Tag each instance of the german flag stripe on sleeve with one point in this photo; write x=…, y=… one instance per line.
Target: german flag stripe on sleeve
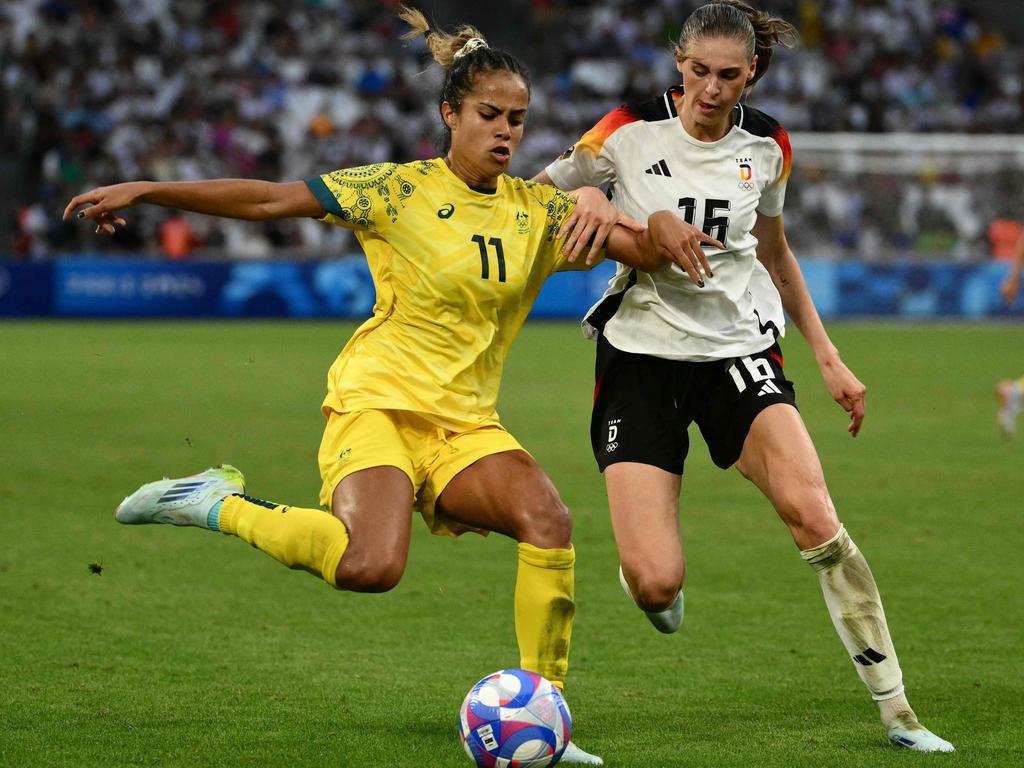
x=594, y=139
x=782, y=139
x=756, y=122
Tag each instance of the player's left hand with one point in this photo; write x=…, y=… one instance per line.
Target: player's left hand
x=590, y=222
x=847, y=390
x=681, y=243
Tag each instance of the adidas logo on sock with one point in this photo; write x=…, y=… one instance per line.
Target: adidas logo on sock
x=769, y=388
x=868, y=657
x=660, y=168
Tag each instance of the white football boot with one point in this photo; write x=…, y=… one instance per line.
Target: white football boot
x=573, y=755
x=181, y=501
x=906, y=732
x=666, y=621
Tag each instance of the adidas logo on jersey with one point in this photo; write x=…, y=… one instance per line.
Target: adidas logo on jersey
x=660, y=168
x=769, y=388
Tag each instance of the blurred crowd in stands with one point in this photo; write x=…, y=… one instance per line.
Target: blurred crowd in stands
x=100, y=91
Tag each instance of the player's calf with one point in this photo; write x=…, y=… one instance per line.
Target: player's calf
x=856, y=610
x=307, y=539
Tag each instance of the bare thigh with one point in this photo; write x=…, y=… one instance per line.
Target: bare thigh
x=509, y=493
x=644, y=504
x=780, y=459
x=376, y=506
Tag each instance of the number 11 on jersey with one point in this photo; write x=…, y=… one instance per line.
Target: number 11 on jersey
x=485, y=265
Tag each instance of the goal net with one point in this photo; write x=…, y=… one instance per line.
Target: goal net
x=896, y=197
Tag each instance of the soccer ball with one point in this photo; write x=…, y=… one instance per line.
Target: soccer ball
x=514, y=718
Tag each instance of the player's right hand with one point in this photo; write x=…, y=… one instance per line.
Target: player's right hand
x=103, y=202
x=680, y=243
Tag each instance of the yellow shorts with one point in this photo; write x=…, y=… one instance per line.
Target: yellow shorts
x=429, y=455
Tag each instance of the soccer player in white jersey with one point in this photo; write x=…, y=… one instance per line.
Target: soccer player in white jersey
x=1010, y=392
x=673, y=349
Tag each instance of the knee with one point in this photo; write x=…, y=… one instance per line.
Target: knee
x=656, y=589
x=544, y=521
x=810, y=516
x=360, y=573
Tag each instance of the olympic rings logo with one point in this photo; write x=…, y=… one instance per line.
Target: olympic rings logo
x=745, y=186
x=611, y=446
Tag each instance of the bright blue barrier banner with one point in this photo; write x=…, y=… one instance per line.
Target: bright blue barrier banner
x=106, y=287
x=114, y=288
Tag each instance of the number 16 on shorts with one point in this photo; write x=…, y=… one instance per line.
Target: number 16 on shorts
x=759, y=370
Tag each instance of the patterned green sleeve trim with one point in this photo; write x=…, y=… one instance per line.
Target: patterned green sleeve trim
x=367, y=197
x=559, y=206
x=323, y=195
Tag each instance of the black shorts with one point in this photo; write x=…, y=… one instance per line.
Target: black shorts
x=643, y=405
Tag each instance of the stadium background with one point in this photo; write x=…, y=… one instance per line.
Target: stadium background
x=157, y=646
x=906, y=118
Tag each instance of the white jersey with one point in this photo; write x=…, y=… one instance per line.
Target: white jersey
x=652, y=164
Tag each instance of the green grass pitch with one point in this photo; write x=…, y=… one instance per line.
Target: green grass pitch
x=191, y=649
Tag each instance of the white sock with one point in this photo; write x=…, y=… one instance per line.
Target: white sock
x=896, y=708
x=856, y=610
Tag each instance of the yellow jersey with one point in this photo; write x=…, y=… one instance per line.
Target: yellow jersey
x=456, y=271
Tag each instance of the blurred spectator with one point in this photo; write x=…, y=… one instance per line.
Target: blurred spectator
x=96, y=91
x=1003, y=237
x=31, y=222
x=176, y=237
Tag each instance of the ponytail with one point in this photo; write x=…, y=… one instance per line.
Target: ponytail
x=463, y=54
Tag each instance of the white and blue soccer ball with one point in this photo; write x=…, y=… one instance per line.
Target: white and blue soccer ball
x=514, y=718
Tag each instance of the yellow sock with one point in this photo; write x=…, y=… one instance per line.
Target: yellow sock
x=309, y=539
x=544, y=610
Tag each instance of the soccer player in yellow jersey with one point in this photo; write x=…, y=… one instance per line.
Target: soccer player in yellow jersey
x=458, y=252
